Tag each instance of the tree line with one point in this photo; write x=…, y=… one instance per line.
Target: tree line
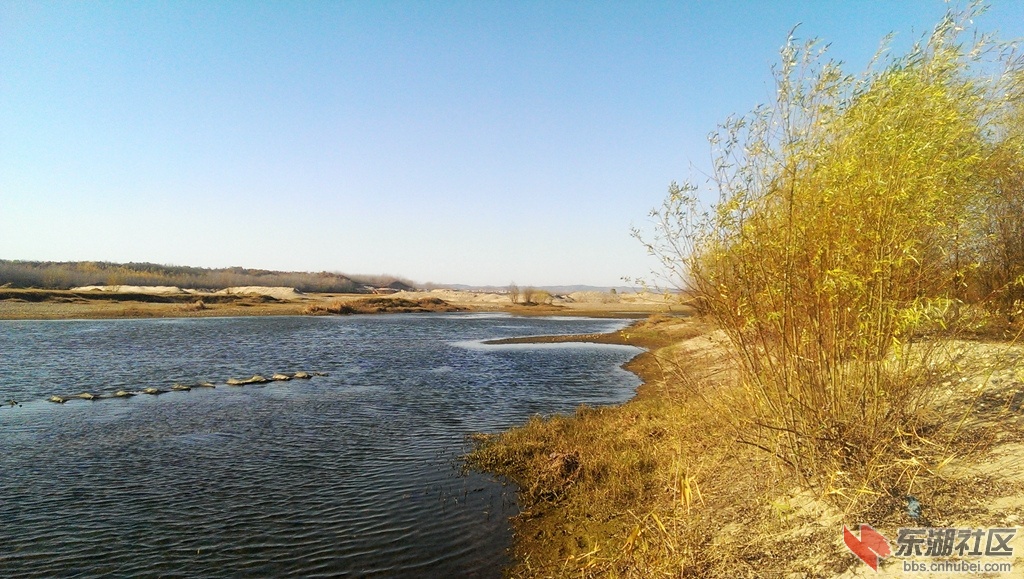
x=66, y=275
x=528, y=295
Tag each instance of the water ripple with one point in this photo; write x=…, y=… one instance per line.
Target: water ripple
x=354, y=474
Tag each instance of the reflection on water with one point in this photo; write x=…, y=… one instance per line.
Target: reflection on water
x=355, y=473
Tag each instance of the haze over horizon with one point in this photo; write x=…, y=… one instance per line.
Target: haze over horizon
x=464, y=143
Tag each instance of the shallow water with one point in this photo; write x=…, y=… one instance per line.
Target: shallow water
x=352, y=474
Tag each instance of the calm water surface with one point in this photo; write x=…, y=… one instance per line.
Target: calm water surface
x=353, y=474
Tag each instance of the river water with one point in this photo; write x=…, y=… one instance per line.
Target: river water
x=352, y=474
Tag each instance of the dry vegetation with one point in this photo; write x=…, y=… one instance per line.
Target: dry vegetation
x=196, y=306
x=380, y=306
x=528, y=295
x=664, y=486
x=865, y=226
x=64, y=304
x=66, y=275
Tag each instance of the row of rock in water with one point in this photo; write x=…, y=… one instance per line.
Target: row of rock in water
x=256, y=379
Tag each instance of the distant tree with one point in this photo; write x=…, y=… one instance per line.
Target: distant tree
x=529, y=293
x=64, y=275
x=513, y=292
x=542, y=297
x=609, y=298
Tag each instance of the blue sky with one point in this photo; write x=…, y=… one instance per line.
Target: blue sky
x=454, y=142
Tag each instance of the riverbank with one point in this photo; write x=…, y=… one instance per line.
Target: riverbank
x=35, y=304
x=664, y=485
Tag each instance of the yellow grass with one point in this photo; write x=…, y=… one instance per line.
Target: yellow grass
x=664, y=486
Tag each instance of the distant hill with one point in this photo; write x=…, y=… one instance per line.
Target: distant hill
x=68, y=274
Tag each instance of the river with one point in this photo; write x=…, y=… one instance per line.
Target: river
x=356, y=473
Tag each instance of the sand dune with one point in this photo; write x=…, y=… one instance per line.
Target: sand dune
x=132, y=289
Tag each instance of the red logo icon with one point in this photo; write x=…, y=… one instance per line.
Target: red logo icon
x=871, y=546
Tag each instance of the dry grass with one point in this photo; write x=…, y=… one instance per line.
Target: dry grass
x=640, y=490
x=196, y=306
x=55, y=304
x=665, y=486
x=379, y=306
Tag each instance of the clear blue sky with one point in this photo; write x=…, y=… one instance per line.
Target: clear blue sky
x=456, y=142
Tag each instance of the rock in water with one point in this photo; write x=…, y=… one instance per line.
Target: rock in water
x=57, y=399
x=123, y=394
x=302, y=375
x=280, y=377
x=181, y=388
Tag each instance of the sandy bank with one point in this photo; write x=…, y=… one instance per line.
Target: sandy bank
x=659, y=487
x=280, y=293
x=132, y=289
x=91, y=302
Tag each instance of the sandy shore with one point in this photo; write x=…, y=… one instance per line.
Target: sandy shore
x=601, y=491
x=17, y=304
